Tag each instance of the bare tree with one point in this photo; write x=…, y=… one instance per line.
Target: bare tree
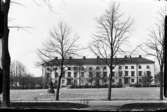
x=4, y=35
x=155, y=45
x=62, y=45
x=17, y=73
x=113, y=31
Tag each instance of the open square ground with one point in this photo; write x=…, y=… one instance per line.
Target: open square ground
x=86, y=94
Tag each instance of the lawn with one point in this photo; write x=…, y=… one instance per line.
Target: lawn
x=89, y=94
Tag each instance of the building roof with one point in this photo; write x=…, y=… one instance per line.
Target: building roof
x=101, y=61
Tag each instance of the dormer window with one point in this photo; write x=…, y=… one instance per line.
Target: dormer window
x=75, y=74
x=75, y=68
x=97, y=68
x=120, y=67
x=148, y=67
x=69, y=74
x=90, y=68
x=105, y=68
x=56, y=74
x=82, y=68
x=139, y=66
x=132, y=67
x=126, y=67
x=69, y=68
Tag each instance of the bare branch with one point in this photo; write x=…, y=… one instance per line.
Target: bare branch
x=112, y=32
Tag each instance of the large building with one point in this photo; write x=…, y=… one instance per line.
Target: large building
x=94, y=71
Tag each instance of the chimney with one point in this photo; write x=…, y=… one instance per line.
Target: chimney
x=125, y=56
x=98, y=59
x=140, y=56
x=56, y=58
x=84, y=57
x=130, y=57
x=70, y=57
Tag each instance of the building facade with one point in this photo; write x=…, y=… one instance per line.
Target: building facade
x=95, y=72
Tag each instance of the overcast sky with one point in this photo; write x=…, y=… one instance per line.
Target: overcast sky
x=80, y=15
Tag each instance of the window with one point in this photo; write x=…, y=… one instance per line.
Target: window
x=69, y=81
x=48, y=69
x=148, y=67
x=97, y=68
x=75, y=82
x=90, y=74
x=113, y=73
x=132, y=67
x=148, y=73
x=90, y=68
x=132, y=80
x=105, y=74
x=120, y=80
x=120, y=73
x=140, y=80
x=75, y=74
x=82, y=74
x=132, y=73
x=63, y=75
x=105, y=68
x=97, y=74
x=113, y=67
x=140, y=73
x=56, y=82
x=120, y=67
x=56, y=74
x=69, y=68
x=139, y=66
x=47, y=75
x=75, y=68
x=82, y=68
x=63, y=81
x=55, y=68
x=69, y=74
x=113, y=80
x=126, y=73
x=126, y=67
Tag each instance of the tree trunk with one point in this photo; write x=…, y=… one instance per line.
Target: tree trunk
x=59, y=80
x=6, y=69
x=58, y=88
x=110, y=79
x=161, y=82
x=6, y=57
x=165, y=57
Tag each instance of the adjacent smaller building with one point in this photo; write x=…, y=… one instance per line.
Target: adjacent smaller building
x=127, y=71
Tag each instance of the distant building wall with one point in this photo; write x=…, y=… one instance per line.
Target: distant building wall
x=126, y=73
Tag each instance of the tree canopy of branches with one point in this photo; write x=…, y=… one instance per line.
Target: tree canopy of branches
x=4, y=35
x=113, y=30
x=17, y=73
x=17, y=69
x=147, y=79
x=155, y=46
x=62, y=44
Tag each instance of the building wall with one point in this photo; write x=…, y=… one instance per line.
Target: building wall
x=79, y=79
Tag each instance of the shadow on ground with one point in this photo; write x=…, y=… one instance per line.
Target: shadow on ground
x=46, y=105
x=143, y=107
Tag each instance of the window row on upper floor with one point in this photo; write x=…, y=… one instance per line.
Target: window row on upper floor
x=133, y=67
x=82, y=68
x=104, y=74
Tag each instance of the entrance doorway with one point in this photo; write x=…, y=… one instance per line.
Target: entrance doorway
x=127, y=81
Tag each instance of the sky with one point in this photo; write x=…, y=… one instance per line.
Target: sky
x=37, y=19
